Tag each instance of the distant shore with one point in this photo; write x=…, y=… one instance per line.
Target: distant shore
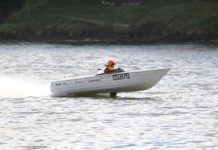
x=115, y=40
x=171, y=21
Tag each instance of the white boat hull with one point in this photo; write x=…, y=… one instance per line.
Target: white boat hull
x=109, y=83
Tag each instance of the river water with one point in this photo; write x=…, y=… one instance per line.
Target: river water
x=180, y=112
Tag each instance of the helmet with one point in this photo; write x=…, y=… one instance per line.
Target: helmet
x=110, y=63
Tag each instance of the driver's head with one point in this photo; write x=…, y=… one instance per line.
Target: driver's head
x=110, y=63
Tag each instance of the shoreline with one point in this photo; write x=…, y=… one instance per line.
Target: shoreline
x=115, y=41
x=94, y=23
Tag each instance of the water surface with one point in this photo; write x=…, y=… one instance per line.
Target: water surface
x=180, y=112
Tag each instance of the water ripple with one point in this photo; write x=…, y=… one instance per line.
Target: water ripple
x=179, y=113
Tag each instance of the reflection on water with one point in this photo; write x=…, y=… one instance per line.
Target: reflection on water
x=180, y=112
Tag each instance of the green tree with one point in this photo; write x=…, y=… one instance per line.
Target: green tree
x=8, y=6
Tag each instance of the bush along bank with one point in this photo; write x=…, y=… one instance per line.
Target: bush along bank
x=147, y=22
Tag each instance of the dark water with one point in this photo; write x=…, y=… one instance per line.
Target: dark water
x=180, y=112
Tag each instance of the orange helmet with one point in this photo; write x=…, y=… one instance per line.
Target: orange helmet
x=110, y=63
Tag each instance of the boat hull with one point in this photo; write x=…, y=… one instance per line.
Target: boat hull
x=109, y=83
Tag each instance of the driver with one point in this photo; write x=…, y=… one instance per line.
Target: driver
x=109, y=67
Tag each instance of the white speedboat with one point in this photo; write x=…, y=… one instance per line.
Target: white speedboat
x=108, y=83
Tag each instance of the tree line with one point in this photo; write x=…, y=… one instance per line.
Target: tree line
x=8, y=6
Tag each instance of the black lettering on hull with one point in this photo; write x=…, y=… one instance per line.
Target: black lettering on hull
x=122, y=76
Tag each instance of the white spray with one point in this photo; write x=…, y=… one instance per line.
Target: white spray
x=11, y=87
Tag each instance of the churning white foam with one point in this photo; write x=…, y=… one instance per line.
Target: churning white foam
x=19, y=87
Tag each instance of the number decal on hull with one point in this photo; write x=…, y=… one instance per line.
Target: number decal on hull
x=121, y=76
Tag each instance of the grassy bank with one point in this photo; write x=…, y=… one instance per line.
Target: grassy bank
x=152, y=21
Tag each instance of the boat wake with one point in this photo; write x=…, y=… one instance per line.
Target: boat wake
x=18, y=87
